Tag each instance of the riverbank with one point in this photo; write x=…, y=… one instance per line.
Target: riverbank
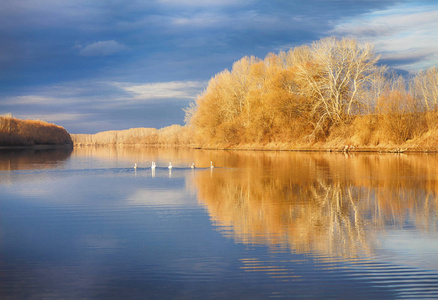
x=276, y=147
x=350, y=139
x=345, y=149
x=426, y=143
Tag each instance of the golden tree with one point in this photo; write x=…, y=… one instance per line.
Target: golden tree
x=337, y=76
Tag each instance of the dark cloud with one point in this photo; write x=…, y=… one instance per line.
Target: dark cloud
x=404, y=59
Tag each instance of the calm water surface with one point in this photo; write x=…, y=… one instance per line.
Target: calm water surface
x=86, y=225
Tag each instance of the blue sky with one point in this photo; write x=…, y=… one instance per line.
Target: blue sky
x=101, y=65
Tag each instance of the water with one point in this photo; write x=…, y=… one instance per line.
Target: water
x=86, y=225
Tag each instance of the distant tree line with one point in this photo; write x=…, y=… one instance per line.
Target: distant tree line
x=175, y=135
x=331, y=89
x=16, y=132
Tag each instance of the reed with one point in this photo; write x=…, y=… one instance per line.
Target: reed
x=16, y=132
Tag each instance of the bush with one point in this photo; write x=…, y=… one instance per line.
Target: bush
x=16, y=132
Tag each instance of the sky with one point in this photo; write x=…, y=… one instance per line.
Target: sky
x=92, y=66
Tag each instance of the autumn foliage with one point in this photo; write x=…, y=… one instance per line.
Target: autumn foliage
x=16, y=132
x=331, y=91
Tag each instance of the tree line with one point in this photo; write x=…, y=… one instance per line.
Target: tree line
x=333, y=89
x=174, y=135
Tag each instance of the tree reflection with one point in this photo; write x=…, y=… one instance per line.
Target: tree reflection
x=328, y=204
x=28, y=158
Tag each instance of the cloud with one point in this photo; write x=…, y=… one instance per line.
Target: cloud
x=201, y=20
x=403, y=59
x=54, y=117
x=64, y=94
x=102, y=48
x=164, y=90
x=392, y=21
x=100, y=94
x=92, y=106
x=29, y=100
x=204, y=3
x=405, y=35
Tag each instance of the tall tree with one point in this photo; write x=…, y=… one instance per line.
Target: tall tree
x=337, y=76
x=425, y=88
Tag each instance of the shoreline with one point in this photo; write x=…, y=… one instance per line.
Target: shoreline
x=283, y=148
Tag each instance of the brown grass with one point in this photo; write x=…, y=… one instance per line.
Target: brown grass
x=16, y=132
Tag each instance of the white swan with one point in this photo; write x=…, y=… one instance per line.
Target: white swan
x=211, y=165
x=170, y=165
x=153, y=165
x=193, y=165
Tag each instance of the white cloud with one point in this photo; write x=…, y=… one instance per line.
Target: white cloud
x=30, y=99
x=390, y=22
x=91, y=106
x=92, y=95
x=102, y=48
x=205, y=19
x=242, y=21
x=53, y=118
x=163, y=90
x=204, y=3
x=64, y=94
x=405, y=34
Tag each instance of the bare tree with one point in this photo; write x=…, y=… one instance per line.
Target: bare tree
x=425, y=88
x=338, y=76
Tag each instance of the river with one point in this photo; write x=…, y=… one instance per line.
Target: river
x=84, y=224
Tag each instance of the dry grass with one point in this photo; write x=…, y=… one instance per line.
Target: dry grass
x=16, y=132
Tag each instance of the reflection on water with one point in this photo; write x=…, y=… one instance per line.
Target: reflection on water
x=18, y=159
x=87, y=225
x=366, y=216
x=331, y=204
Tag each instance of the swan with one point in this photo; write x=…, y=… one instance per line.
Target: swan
x=170, y=165
x=153, y=165
x=135, y=166
x=193, y=165
x=211, y=165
